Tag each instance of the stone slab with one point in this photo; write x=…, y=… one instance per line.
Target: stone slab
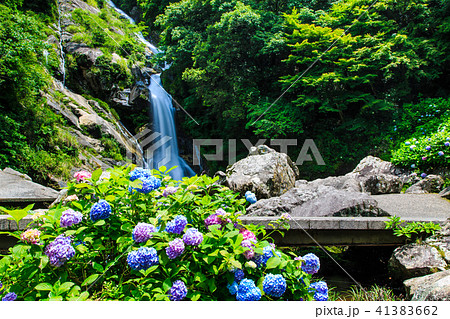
x=15, y=189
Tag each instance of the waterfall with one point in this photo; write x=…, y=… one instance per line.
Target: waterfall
x=164, y=149
x=61, y=50
x=165, y=152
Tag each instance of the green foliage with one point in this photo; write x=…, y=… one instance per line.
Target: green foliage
x=419, y=230
x=99, y=269
x=426, y=124
x=374, y=293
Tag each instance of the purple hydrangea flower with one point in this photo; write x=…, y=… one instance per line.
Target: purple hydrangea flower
x=70, y=217
x=178, y=291
x=238, y=275
x=143, y=232
x=447, y=143
x=412, y=147
x=250, y=197
x=175, y=249
x=1, y=286
x=143, y=258
x=60, y=250
x=428, y=148
x=176, y=226
x=247, y=291
x=320, y=290
x=423, y=175
x=233, y=288
x=218, y=218
x=170, y=191
x=193, y=237
x=441, y=153
x=311, y=264
x=10, y=296
x=250, y=253
x=407, y=143
x=100, y=210
x=274, y=285
x=424, y=158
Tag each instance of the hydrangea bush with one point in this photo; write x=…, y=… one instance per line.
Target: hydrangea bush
x=135, y=234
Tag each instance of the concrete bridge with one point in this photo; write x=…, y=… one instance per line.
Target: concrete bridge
x=356, y=231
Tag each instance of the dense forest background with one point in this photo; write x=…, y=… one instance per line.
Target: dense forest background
x=384, y=81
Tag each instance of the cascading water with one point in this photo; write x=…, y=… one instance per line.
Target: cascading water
x=164, y=124
x=62, y=66
x=164, y=151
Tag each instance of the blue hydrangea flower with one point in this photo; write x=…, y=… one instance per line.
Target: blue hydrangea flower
x=1, y=286
x=250, y=197
x=247, y=291
x=447, y=143
x=407, y=143
x=320, y=290
x=100, y=210
x=59, y=251
x=193, y=237
x=233, y=288
x=262, y=259
x=175, y=249
x=140, y=173
x=10, y=296
x=423, y=175
x=274, y=285
x=148, y=184
x=238, y=275
x=178, y=291
x=412, y=147
x=70, y=217
x=413, y=165
x=143, y=258
x=311, y=264
x=176, y=226
x=428, y=148
x=143, y=232
x=441, y=153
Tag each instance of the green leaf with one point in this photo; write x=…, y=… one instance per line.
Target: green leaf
x=97, y=267
x=196, y=296
x=17, y=214
x=44, y=287
x=65, y=287
x=206, y=200
x=43, y=262
x=273, y=262
x=96, y=175
x=110, y=198
x=100, y=222
x=90, y=279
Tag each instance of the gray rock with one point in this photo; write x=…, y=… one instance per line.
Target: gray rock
x=16, y=189
x=13, y=172
x=321, y=201
x=85, y=55
x=266, y=173
x=139, y=94
x=445, y=193
x=415, y=286
x=430, y=184
x=415, y=260
x=339, y=203
x=434, y=287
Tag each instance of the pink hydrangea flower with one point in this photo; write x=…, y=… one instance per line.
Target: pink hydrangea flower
x=31, y=236
x=72, y=198
x=248, y=235
x=82, y=175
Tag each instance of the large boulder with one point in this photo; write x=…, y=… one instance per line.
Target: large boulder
x=434, y=287
x=265, y=172
x=415, y=260
x=430, y=184
x=309, y=200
